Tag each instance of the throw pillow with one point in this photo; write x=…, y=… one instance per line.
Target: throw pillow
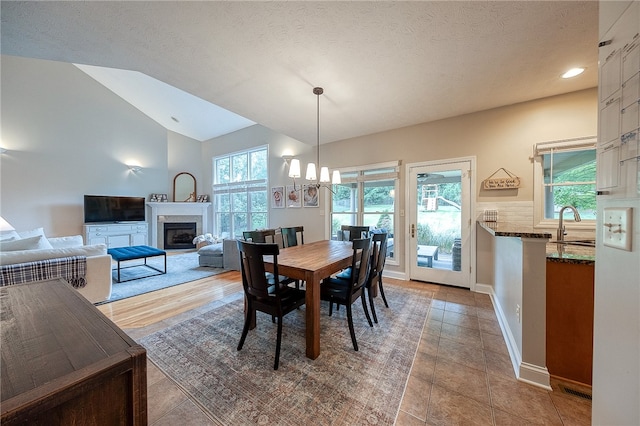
x=66, y=242
x=31, y=243
x=31, y=233
x=9, y=235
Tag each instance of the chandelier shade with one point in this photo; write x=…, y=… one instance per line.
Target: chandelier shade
x=294, y=168
x=311, y=171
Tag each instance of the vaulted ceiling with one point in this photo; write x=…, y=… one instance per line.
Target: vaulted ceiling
x=383, y=65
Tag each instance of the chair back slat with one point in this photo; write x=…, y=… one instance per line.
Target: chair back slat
x=361, y=262
x=254, y=278
x=290, y=236
x=260, y=236
x=355, y=232
x=378, y=255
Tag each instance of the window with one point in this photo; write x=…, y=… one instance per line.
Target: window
x=565, y=174
x=366, y=197
x=240, y=192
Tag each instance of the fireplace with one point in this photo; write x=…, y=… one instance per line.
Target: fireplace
x=179, y=235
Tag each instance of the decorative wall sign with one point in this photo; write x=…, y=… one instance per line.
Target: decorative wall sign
x=510, y=182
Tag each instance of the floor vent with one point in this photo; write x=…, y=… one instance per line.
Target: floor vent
x=574, y=392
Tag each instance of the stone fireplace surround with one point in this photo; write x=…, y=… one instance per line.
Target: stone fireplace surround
x=159, y=213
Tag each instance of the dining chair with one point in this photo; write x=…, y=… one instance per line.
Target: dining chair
x=378, y=258
x=290, y=236
x=264, y=294
x=290, y=239
x=260, y=236
x=353, y=232
x=267, y=236
x=347, y=291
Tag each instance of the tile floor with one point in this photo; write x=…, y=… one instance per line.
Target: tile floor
x=462, y=375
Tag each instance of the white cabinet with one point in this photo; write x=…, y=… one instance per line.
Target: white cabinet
x=117, y=234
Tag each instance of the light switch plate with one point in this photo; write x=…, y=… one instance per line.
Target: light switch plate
x=617, y=228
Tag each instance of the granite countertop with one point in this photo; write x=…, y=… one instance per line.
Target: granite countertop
x=555, y=252
x=566, y=253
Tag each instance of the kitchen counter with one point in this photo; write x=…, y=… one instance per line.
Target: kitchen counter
x=501, y=229
x=562, y=253
x=566, y=253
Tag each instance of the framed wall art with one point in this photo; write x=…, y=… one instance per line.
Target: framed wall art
x=277, y=197
x=293, y=196
x=310, y=195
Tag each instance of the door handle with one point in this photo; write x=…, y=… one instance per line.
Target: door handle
x=413, y=230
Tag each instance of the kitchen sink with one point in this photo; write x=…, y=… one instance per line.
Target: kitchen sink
x=584, y=243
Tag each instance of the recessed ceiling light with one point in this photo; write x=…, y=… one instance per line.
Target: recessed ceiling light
x=573, y=72
x=175, y=119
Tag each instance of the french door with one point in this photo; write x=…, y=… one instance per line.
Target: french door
x=440, y=222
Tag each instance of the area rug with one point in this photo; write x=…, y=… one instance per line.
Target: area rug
x=340, y=387
x=181, y=268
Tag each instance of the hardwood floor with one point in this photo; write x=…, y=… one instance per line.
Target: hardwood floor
x=150, y=308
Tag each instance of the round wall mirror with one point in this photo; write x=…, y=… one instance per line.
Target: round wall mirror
x=184, y=188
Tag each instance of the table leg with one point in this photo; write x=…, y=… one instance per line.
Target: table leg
x=312, y=302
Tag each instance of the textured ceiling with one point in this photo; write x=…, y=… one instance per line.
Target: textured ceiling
x=383, y=65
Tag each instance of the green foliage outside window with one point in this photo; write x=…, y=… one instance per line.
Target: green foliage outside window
x=583, y=196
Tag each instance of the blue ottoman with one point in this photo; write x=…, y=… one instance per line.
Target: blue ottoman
x=122, y=254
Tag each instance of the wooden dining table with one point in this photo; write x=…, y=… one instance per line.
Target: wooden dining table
x=312, y=262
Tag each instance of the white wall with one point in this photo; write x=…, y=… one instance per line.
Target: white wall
x=67, y=136
x=616, y=334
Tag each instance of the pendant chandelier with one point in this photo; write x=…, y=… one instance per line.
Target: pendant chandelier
x=311, y=175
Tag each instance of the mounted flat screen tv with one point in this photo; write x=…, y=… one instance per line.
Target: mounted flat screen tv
x=104, y=208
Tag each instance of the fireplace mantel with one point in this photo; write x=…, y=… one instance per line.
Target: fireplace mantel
x=175, y=209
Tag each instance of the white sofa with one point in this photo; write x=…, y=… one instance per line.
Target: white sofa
x=32, y=246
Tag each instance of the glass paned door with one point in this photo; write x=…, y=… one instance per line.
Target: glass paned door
x=439, y=225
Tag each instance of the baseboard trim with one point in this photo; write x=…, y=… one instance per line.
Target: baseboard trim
x=535, y=375
x=396, y=275
x=524, y=372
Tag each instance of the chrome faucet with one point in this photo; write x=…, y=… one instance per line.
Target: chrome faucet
x=561, y=231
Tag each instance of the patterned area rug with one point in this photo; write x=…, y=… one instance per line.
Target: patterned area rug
x=340, y=387
x=181, y=268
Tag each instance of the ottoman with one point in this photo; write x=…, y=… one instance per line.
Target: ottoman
x=211, y=255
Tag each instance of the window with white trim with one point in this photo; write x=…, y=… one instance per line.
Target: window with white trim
x=565, y=174
x=240, y=200
x=366, y=197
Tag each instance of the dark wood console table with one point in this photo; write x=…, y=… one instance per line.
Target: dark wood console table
x=64, y=362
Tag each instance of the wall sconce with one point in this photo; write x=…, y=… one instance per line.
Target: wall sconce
x=134, y=168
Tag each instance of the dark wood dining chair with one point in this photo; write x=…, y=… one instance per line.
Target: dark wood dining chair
x=264, y=294
x=353, y=232
x=290, y=236
x=347, y=291
x=290, y=239
x=260, y=236
x=378, y=258
x=267, y=236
